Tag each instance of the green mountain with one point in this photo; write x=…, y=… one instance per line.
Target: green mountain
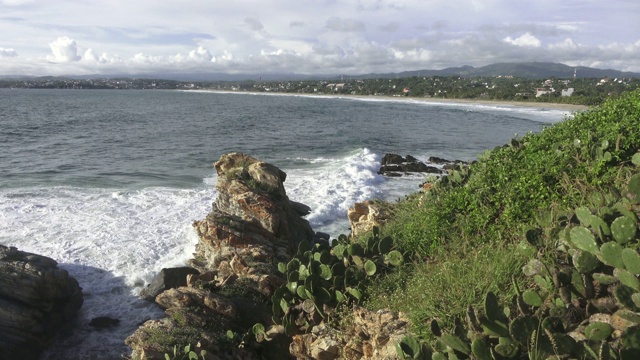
x=531, y=70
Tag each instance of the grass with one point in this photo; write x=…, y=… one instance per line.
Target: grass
x=464, y=236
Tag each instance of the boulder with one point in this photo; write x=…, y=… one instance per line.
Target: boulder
x=168, y=278
x=367, y=335
x=36, y=300
x=253, y=225
x=396, y=165
x=367, y=214
x=252, y=219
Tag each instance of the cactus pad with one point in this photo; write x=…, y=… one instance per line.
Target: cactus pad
x=623, y=229
x=584, y=215
x=583, y=239
x=598, y=331
x=585, y=262
x=627, y=278
x=611, y=254
x=532, y=298
x=631, y=260
x=634, y=187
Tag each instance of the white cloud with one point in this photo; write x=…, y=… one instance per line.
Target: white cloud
x=7, y=53
x=566, y=44
x=63, y=50
x=200, y=55
x=526, y=40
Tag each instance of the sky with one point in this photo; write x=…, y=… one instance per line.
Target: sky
x=310, y=37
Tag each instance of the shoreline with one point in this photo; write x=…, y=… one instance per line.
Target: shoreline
x=435, y=101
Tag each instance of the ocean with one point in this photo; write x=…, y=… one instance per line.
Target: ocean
x=108, y=182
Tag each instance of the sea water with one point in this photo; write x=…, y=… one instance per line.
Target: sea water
x=108, y=182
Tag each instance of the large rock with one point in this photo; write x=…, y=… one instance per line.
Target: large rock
x=252, y=219
x=253, y=225
x=367, y=214
x=36, y=300
x=368, y=335
x=396, y=165
x=168, y=278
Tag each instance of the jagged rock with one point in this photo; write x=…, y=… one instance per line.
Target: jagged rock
x=396, y=165
x=252, y=219
x=370, y=335
x=367, y=214
x=36, y=300
x=253, y=225
x=168, y=278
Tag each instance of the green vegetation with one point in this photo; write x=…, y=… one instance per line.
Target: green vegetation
x=320, y=279
x=565, y=203
x=537, y=239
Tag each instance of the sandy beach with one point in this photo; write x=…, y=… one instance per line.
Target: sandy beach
x=540, y=105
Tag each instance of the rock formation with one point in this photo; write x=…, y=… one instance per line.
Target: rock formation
x=36, y=300
x=367, y=214
x=252, y=227
x=371, y=335
x=396, y=165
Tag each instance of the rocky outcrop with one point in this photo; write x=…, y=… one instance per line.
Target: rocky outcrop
x=396, y=165
x=168, y=278
x=36, y=299
x=370, y=335
x=367, y=214
x=253, y=225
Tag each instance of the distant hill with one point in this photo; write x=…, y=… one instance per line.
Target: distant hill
x=531, y=70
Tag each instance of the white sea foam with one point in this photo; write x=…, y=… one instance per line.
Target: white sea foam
x=334, y=187
x=112, y=242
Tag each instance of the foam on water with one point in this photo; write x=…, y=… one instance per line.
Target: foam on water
x=112, y=242
x=334, y=187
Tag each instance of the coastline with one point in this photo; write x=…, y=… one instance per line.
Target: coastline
x=435, y=101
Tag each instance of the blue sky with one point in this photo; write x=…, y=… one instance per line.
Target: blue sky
x=81, y=37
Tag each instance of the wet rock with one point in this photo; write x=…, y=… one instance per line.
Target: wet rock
x=396, y=165
x=37, y=299
x=168, y=278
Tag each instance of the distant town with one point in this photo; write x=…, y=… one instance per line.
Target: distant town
x=583, y=91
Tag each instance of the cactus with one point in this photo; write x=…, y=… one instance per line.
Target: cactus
x=623, y=294
x=623, y=229
x=521, y=328
x=630, y=340
x=600, y=226
x=583, y=239
x=493, y=328
x=598, y=331
x=506, y=347
x=604, y=279
x=627, y=278
x=480, y=349
x=491, y=307
x=631, y=260
x=635, y=159
x=584, y=215
x=532, y=298
x=410, y=348
x=611, y=254
x=633, y=187
x=394, y=258
x=585, y=262
x=455, y=343
x=370, y=268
